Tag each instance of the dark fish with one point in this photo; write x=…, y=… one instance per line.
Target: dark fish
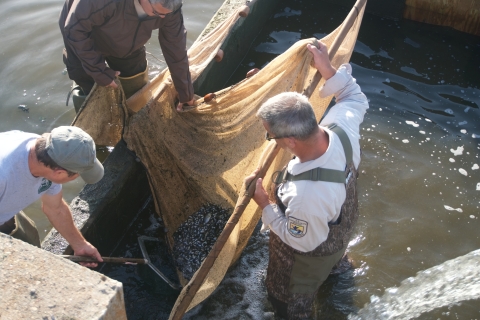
x=23, y=107
x=194, y=238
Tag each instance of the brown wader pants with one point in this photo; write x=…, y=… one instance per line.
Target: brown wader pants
x=23, y=228
x=132, y=65
x=294, y=277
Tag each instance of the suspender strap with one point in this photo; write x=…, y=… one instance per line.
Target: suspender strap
x=317, y=174
x=322, y=174
x=347, y=146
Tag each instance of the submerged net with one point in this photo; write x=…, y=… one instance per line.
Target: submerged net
x=203, y=155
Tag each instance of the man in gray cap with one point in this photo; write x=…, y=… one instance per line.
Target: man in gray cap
x=34, y=167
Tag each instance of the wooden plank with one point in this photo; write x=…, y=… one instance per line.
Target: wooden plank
x=462, y=15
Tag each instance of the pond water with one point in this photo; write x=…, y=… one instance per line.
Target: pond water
x=419, y=176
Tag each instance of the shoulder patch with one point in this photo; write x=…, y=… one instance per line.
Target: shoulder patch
x=44, y=186
x=297, y=227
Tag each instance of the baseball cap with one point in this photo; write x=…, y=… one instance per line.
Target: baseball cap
x=73, y=149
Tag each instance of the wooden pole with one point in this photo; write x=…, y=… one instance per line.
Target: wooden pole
x=105, y=259
x=352, y=15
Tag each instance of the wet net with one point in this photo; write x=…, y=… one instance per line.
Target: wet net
x=202, y=156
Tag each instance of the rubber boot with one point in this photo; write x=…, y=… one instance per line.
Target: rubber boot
x=25, y=229
x=134, y=83
x=78, y=97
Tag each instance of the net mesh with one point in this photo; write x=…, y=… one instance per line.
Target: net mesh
x=203, y=155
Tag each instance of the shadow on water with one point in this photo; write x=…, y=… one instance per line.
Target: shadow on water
x=418, y=188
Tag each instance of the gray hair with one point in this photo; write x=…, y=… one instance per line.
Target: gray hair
x=171, y=5
x=289, y=114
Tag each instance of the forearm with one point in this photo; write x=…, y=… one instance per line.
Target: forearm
x=61, y=219
x=173, y=41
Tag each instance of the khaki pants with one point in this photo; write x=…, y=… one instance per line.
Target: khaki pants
x=23, y=228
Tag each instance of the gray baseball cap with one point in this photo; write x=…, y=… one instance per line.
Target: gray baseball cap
x=73, y=149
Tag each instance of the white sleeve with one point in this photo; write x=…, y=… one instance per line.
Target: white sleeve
x=300, y=230
x=350, y=108
x=54, y=189
x=350, y=102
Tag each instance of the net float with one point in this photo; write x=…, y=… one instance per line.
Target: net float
x=219, y=55
x=252, y=72
x=209, y=97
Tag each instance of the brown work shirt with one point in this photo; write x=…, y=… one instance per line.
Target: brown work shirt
x=95, y=29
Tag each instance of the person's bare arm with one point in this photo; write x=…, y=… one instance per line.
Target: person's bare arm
x=60, y=216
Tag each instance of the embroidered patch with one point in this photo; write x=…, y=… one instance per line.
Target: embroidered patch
x=297, y=227
x=45, y=185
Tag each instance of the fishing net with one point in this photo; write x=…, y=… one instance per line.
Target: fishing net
x=203, y=155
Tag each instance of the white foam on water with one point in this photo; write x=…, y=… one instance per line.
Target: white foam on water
x=478, y=186
x=412, y=123
x=458, y=151
x=463, y=171
x=475, y=167
x=451, y=160
x=463, y=131
x=475, y=136
x=422, y=132
x=446, y=284
x=449, y=111
x=462, y=123
x=453, y=209
x=405, y=141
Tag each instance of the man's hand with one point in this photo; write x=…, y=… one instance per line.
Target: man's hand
x=260, y=196
x=59, y=214
x=113, y=84
x=180, y=105
x=86, y=249
x=321, y=60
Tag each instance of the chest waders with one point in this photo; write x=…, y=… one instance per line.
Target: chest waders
x=23, y=228
x=294, y=277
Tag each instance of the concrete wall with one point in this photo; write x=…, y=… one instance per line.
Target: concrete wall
x=39, y=285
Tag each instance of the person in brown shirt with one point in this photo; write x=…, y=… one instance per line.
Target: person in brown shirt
x=97, y=32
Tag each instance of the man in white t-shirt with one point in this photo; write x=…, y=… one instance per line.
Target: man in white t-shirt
x=34, y=167
x=316, y=207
